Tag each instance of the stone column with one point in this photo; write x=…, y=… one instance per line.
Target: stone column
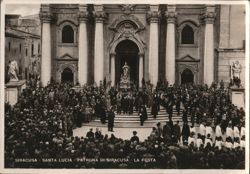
x=153, y=17
x=209, y=17
x=83, y=46
x=141, y=68
x=112, y=60
x=99, y=50
x=170, y=44
x=46, y=48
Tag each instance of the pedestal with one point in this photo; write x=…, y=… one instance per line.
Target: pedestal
x=13, y=90
x=238, y=97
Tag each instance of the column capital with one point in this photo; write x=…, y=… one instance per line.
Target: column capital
x=45, y=14
x=99, y=13
x=83, y=16
x=140, y=54
x=100, y=16
x=208, y=16
x=171, y=14
x=153, y=16
x=46, y=17
x=83, y=13
x=112, y=54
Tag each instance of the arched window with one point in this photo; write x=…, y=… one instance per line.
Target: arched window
x=67, y=34
x=187, y=35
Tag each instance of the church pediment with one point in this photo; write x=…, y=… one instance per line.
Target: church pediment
x=187, y=58
x=66, y=57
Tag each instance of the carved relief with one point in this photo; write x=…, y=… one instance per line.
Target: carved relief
x=127, y=27
x=67, y=17
x=127, y=8
x=193, y=67
x=138, y=25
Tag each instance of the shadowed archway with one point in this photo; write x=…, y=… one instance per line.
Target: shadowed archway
x=187, y=77
x=67, y=75
x=127, y=51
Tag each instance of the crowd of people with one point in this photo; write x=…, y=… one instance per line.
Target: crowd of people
x=41, y=125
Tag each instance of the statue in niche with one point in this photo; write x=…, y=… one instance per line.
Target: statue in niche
x=13, y=71
x=235, y=71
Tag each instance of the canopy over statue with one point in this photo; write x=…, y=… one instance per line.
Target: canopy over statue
x=13, y=71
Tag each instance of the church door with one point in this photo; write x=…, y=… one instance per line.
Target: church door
x=127, y=52
x=67, y=75
x=187, y=77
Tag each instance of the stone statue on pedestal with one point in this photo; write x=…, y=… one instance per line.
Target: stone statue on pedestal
x=235, y=71
x=126, y=72
x=125, y=77
x=13, y=71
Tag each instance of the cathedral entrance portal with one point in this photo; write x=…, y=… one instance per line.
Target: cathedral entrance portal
x=67, y=75
x=127, y=52
x=187, y=77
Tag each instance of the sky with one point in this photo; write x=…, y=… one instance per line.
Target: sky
x=22, y=9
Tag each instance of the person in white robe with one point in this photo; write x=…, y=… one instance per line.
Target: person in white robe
x=218, y=132
x=229, y=132
x=202, y=131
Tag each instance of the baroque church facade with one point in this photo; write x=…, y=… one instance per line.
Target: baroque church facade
x=86, y=43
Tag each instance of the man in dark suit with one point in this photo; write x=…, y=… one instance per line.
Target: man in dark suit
x=185, y=132
x=134, y=137
x=177, y=131
x=90, y=134
x=111, y=118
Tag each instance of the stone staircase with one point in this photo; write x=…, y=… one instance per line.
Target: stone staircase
x=133, y=120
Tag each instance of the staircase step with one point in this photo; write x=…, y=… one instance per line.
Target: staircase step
x=133, y=120
x=149, y=115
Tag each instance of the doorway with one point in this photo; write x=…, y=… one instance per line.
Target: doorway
x=67, y=75
x=127, y=51
x=187, y=77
